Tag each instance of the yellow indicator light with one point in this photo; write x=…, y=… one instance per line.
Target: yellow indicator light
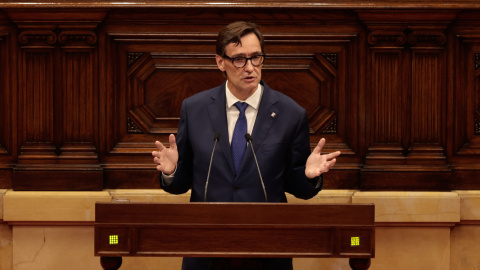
x=355, y=241
x=113, y=240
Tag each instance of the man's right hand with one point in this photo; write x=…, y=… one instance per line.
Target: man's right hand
x=166, y=158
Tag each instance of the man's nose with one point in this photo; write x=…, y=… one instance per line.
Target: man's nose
x=249, y=65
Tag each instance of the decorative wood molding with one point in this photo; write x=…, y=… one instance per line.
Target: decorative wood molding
x=132, y=128
x=477, y=60
x=317, y=4
x=77, y=37
x=332, y=128
x=133, y=57
x=387, y=36
x=477, y=125
x=426, y=37
x=332, y=58
x=37, y=38
x=49, y=38
x=413, y=36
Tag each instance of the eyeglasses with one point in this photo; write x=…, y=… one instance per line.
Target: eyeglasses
x=241, y=61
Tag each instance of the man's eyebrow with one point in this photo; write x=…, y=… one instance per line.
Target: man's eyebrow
x=244, y=55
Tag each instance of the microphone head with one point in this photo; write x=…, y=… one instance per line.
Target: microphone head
x=217, y=137
x=248, y=137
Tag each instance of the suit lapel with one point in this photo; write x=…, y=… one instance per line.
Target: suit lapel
x=218, y=118
x=263, y=123
x=265, y=117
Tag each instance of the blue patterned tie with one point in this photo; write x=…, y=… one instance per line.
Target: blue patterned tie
x=239, y=144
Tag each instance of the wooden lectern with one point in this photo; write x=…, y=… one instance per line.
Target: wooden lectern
x=251, y=230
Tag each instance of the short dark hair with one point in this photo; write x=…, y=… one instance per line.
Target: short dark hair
x=233, y=32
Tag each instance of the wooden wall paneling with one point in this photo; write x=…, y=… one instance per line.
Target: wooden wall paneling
x=317, y=80
x=107, y=97
x=5, y=113
x=79, y=96
x=427, y=148
x=386, y=94
x=8, y=107
x=118, y=169
x=156, y=71
x=87, y=91
x=406, y=122
x=466, y=105
x=293, y=4
x=58, y=101
x=36, y=95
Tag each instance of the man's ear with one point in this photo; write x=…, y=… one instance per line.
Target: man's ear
x=220, y=62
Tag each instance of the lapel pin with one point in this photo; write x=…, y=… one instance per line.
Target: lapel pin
x=273, y=114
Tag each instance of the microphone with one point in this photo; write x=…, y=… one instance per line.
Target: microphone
x=216, y=138
x=249, y=141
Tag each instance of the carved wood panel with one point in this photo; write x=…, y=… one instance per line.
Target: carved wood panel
x=406, y=104
x=87, y=91
x=465, y=138
x=58, y=106
x=156, y=76
x=7, y=108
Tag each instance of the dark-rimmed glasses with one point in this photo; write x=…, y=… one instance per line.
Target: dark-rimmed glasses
x=241, y=61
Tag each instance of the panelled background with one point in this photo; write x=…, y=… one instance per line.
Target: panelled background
x=87, y=87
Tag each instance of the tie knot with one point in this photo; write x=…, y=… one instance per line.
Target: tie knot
x=241, y=106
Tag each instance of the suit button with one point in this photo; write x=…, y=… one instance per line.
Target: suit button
x=235, y=188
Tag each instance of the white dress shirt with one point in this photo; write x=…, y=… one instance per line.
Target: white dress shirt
x=250, y=113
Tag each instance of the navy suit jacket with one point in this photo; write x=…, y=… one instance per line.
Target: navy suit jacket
x=280, y=139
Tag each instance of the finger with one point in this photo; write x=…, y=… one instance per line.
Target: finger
x=171, y=140
x=326, y=167
x=320, y=144
x=332, y=162
x=159, y=145
x=333, y=155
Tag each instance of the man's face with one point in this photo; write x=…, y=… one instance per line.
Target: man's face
x=242, y=81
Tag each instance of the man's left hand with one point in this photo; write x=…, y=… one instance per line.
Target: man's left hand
x=318, y=163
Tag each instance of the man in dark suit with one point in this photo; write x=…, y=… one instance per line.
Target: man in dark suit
x=243, y=104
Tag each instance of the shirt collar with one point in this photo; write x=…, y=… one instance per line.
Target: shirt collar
x=253, y=100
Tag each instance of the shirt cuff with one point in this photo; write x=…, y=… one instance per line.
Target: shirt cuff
x=167, y=179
